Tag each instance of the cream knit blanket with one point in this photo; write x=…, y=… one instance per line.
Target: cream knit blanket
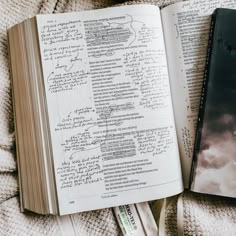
x=201, y=215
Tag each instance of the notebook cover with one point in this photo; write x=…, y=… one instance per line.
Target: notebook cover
x=214, y=164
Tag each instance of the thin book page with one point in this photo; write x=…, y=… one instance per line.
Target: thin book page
x=186, y=30
x=208, y=6
x=110, y=109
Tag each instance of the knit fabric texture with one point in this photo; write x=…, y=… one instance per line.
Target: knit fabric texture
x=202, y=215
x=208, y=215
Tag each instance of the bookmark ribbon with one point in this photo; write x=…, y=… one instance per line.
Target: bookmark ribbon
x=66, y=225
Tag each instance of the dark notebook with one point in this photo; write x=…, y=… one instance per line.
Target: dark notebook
x=214, y=165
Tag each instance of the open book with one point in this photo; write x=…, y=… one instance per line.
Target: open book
x=104, y=102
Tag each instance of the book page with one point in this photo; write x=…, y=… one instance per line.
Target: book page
x=208, y=6
x=186, y=28
x=110, y=111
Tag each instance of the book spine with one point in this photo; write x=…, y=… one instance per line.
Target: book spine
x=203, y=99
